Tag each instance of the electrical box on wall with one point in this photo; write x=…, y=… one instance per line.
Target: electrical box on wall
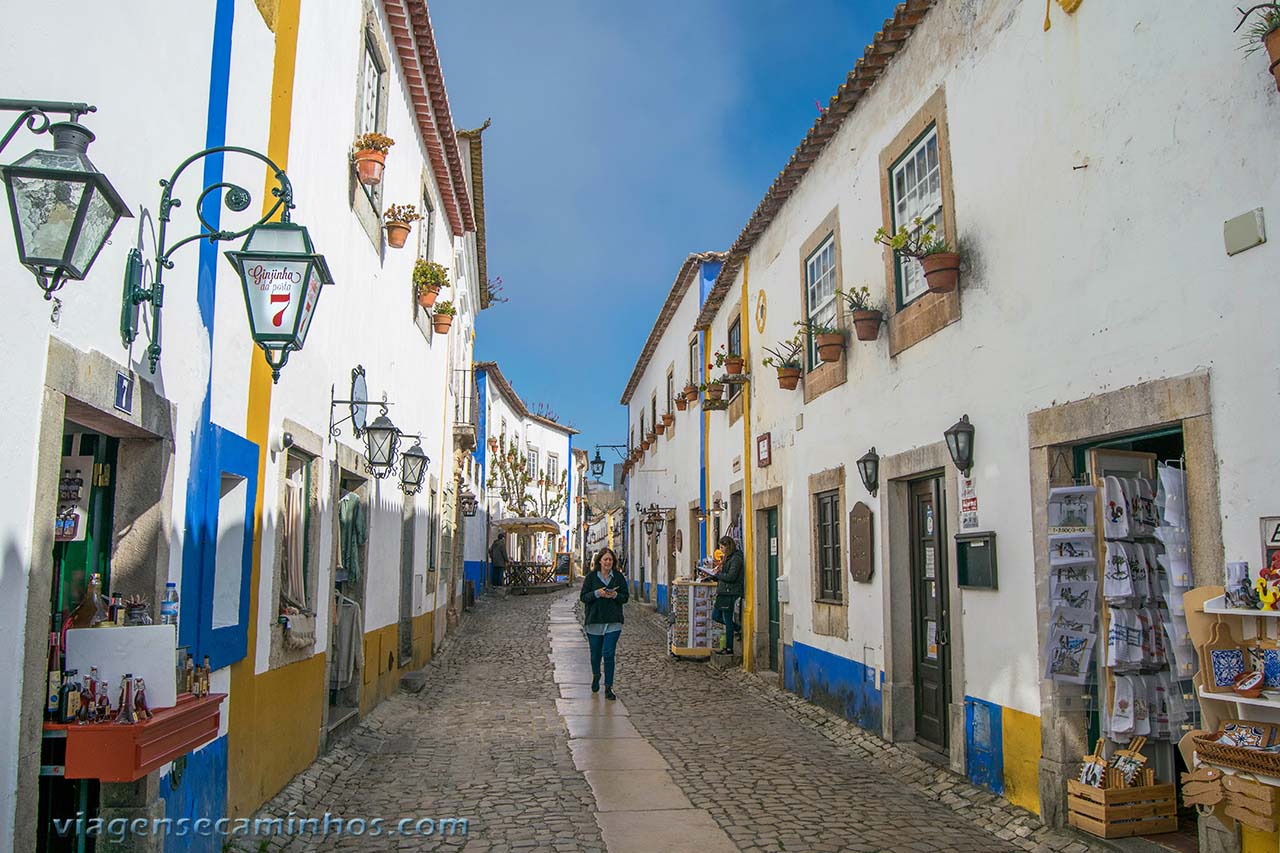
x=1244, y=232
x=976, y=560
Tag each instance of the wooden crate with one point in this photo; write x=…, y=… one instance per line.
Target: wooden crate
x=1122, y=812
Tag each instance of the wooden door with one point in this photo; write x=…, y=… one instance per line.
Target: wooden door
x=929, y=607
x=775, y=610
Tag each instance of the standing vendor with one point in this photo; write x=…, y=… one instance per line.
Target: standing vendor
x=729, y=588
x=498, y=558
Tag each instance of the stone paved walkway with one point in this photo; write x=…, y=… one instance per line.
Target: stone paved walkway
x=506, y=734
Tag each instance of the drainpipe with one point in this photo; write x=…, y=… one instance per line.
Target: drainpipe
x=748, y=462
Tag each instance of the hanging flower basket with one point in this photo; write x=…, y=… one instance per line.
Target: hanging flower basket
x=830, y=346
x=442, y=319
x=429, y=278
x=866, y=324
x=660, y=428
x=715, y=390
x=733, y=364
x=941, y=271
x=681, y=403
x=427, y=295
x=690, y=392
x=397, y=219
x=370, y=157
x=788, y=378
x=668, y=419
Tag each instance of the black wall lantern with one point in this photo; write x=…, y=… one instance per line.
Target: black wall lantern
x=869, y=470
x=63, y=208
x=960, y=444
x=279, y=269
x=382, y=440
x=649, y=525
x=413, y=466
x=597, y=465
x=467, y=502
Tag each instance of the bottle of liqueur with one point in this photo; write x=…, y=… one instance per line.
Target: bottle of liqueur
x=92, y=609
x=54, y=696
x=69, y=700
x=127, y=714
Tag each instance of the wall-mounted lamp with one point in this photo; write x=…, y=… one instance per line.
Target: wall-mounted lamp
x=413, y=466
x=960, y=444
x=869, y=470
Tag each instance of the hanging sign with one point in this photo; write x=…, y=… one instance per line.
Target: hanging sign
x=764, y=450
x=860, y=543
x=968, y=504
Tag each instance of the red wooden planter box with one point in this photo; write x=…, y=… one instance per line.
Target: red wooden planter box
x=110, y=752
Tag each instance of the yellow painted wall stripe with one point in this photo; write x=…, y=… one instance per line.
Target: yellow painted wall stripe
x=250, y=758
x=1020, y=747
x=748, y=462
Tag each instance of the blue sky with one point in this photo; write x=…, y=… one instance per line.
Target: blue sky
x=625, y=135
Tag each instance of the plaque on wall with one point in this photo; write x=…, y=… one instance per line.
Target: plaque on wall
x=861, y=550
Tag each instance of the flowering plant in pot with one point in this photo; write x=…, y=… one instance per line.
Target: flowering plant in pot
x=829, y=339
x=866, y=317
x=398, y=218
x=369, y=153
x=429, y=278
x=1263, y=32
x=787, y=358
x=713, y=388
x=442, y=317
x=940, y=260
x=732, y=364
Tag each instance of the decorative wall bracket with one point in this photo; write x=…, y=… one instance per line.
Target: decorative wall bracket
x=358, y=405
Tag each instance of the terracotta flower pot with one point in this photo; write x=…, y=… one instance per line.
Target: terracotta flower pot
x=830, y=345
x=652, y=438
x=866, y=324
x=733, y=364
x=788, y=378
x=681, y=403
x=397, y=233
x=369, y=166
x=690, y=393
x=715, y=391
x=660, y=428
x=1272, y=44
x=427, y=296
x=668, y=418
x=941, y=271
x=441, y=323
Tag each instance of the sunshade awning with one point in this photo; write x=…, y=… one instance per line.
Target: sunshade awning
x=527, y=525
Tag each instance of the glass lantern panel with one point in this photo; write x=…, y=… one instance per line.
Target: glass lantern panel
x=308, y=308
x=278, y=237
x=274, y=289
x=380, y=446
x=412, y=471
x=99, y=219
x=46, y=213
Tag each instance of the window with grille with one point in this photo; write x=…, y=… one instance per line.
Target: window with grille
x=827, y=510
x=916, y=186
x=820, y=293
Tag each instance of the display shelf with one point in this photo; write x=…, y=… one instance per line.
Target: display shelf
x=110, y=752
x=1218, y=606
x=1263, y=701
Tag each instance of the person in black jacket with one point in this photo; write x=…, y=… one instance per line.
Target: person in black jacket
x=604, y=591
x=729, y=588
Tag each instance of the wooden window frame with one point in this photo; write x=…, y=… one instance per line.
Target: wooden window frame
x=929, y=313
x=821, y=378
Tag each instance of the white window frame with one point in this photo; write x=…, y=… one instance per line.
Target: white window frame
x=533, y=462
x=820, y=292
x=915, y=187
x=553, y=466
x=372, y=72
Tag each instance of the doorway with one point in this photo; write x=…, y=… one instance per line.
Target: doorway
x=930, y=612
x=346, y=622
x=775, y=609
x=405, y=630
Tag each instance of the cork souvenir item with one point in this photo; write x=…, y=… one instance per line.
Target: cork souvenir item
x=1128, y=762
x=1203, y=787
x=1223, y=658
x=1093, y=771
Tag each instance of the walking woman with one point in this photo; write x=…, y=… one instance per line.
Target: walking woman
x=604, y=591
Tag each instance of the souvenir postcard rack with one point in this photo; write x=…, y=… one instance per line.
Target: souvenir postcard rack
x=692, y=633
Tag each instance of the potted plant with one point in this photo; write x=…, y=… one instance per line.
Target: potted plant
x=690, y=391
x=660, y=428
x=731, y=363
x=1263, y=32
x=787, y=358
x=866, y=317
x=681, y=402
x=668, y=419
x=493, y=443
x=398, y=218
x=442, y=317
x=369, y=152
x=829, y=339
x=714, y=388
x=429, y=278
x=940, y=260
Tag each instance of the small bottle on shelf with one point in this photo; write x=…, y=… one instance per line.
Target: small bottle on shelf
x=53, y=697
x=92, y=609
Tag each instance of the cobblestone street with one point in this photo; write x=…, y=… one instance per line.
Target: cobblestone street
x=506, y=734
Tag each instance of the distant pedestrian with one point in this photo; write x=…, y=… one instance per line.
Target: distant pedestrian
x=498, y=558
x=604, y=591
x=729, y=588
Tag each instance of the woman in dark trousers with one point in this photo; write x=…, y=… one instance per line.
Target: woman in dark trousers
x=729, y=588
x=604, y=591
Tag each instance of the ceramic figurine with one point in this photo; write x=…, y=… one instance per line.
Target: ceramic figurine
x=1268, y=592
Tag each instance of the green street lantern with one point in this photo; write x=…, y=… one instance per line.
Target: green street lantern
x=63, y=208
x=282, y=275
x=413, y=465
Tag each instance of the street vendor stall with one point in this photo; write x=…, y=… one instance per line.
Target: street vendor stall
x=530, y=573
x=692, y=634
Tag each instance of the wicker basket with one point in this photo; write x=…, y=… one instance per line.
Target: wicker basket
x=1252, y=760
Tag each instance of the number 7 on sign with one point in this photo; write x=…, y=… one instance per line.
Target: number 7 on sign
x=281, y=298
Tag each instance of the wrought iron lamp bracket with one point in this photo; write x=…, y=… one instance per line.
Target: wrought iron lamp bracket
x=356, y=432
x=236, y=199
x=35, y=114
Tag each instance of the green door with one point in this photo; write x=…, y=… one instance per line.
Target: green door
x=775, y=612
